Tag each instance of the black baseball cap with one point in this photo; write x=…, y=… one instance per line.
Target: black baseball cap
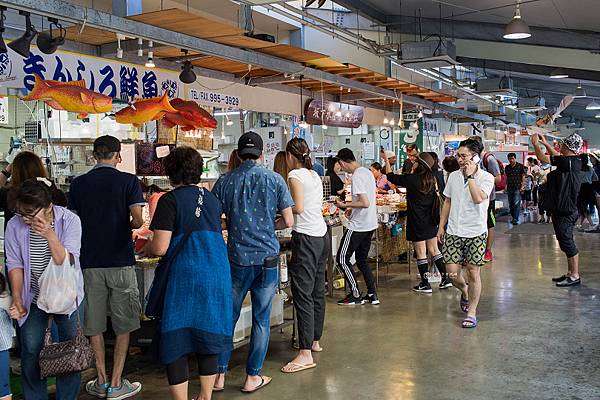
x=108, y=143
x=345, y=155
x=250, y=143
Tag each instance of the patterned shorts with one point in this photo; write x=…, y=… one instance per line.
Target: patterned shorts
x=458, y=249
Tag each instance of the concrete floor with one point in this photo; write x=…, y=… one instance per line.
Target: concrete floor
x=534, y=341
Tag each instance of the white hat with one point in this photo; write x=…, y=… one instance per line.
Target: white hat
x=389, y=154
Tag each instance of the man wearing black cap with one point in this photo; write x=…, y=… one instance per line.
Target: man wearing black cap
x=252, y=196
x=109, y=203
x=357, y=238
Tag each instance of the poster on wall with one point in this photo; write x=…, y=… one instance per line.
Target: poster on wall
x=297, y=131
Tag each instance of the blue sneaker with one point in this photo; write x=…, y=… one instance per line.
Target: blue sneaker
x=125, y=391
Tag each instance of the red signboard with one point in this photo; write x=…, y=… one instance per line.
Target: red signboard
x=334, y=114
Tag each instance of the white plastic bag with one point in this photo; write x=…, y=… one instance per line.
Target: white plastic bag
x=58, y=287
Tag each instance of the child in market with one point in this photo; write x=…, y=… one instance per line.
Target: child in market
x=6, y=339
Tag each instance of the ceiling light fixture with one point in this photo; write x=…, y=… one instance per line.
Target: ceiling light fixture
x=23, y=44
x=593, y=106
x=324, y=127
x=119, y=48
x=579, y=92
x=558, y=73
x=187, y=74
x=140, y=50
x=303, y=124
x=48, y=43
x=3, y=48
x=597, y=116
x=150, y=61
x=517, y=28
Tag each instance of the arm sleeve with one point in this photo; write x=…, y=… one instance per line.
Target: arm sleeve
x=135, y=195
x=72, y=236
x=165, y=214
x=359, y=184
x=398, y=180
x=487, y=184
x=448, y=188
x=284, y=198
x=11, y=247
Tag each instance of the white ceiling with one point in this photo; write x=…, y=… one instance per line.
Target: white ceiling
x=561, y=14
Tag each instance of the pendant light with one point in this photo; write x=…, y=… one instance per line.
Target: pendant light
x=385, y=118
x=338, y=113
x=517, y=27
x=597, y=116
x=150, y=61
x=23, y=44
x=593, y=106
x=187, y=74
x=302, y=123
x=140, y=50
x=579, y=92
x=558, y=73
x=48, y=43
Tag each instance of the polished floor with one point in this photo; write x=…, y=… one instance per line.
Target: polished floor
x=534, y=341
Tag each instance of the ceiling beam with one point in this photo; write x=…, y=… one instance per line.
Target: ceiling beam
x=549, y=37
x=78, y=14
x=543, y=70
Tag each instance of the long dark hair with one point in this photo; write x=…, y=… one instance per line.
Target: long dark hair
x=428, y=180
x=298, y=148
x=429, y=183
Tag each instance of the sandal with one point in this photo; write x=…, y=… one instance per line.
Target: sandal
x=464, y=304
x=469, y=322
x=264, y=381
x=218, y=389
x=295, y=367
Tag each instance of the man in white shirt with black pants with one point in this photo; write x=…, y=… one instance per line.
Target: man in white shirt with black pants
x=357, y=238
x=465, y=213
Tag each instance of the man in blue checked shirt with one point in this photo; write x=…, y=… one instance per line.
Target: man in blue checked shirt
x=252, y=196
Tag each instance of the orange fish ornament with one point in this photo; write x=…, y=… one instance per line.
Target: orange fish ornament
x=145, y=110
x=189, y=116
x=70, y=96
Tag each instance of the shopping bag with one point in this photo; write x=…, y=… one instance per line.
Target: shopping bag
x=58, y=287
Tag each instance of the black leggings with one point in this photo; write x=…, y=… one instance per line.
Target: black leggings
x=178, y=371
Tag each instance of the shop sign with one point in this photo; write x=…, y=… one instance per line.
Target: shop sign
x=297, y=131
x=113, y=78
x=431, y=127
x=4, y=110
x=324, y=113
x=410, y=116
x=410, y=136
x=214, y=98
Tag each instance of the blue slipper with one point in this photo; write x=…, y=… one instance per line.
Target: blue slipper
x=469, y=322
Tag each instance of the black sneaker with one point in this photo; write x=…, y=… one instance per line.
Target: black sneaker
x=372, y=299
x=515, y=222
x=559, y=279
x=569, y=282
x=445, y=283
x=350, y=300
x=423, y=288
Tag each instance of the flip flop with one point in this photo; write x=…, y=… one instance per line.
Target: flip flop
x=297, y=367
x=263, y=382
x=464, y=304
x=320, y=349
x=218, y=389
x=469, y=323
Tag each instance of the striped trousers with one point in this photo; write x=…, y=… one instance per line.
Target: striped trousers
x=357, y=243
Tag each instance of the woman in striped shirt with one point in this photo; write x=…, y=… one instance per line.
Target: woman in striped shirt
x=40, y=231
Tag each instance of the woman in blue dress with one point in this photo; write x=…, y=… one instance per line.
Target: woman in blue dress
x=196, y=317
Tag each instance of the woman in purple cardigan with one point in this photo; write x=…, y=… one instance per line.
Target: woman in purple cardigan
x=40, y=231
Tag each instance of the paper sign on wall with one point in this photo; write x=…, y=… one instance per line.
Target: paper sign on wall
x=4, y=110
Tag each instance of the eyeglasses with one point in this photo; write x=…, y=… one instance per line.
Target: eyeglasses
x=464, y=156
x=27, y=215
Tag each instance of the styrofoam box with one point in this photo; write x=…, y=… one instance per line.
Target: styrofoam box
x=244, y=324
x=277, y=310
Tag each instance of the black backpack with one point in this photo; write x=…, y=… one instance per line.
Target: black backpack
x=562, y=191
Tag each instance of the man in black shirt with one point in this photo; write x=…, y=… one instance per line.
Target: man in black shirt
x=109, y=203
x=560, y=199
x=515, y=173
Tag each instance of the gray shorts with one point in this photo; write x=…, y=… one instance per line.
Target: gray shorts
x=114, y=290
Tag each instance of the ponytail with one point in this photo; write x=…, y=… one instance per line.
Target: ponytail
x=298, y=148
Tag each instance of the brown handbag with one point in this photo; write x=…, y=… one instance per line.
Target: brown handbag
x=63, y=358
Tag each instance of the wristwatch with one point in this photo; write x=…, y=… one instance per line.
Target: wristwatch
x=470, y=177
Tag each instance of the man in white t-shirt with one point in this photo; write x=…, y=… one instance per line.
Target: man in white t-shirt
x=465, y=213
x=357, y=238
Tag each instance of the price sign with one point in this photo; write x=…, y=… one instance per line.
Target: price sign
x=4, y=110
x=215, y=98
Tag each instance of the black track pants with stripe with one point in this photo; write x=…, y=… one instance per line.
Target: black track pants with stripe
x=357, y=243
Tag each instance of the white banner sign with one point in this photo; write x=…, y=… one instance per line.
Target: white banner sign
x=113, y=78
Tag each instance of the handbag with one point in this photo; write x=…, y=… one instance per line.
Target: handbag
x=155, y=299
x=63, y=358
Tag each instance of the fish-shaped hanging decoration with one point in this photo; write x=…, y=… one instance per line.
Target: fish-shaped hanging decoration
x=189, y=116
x=69, y=96
x=145, y=110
